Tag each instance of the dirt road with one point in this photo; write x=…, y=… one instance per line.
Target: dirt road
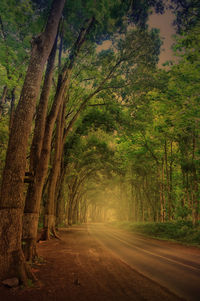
x=174, y=266
x=83, y=267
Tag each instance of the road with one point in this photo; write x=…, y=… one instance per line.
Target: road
x=175, y=267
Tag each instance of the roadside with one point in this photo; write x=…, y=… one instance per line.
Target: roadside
x=182, y=231
x=79, y=268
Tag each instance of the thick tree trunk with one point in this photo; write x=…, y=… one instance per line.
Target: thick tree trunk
x=12, y=190
x=35, y=191
x=30, y=218
x=41, y=113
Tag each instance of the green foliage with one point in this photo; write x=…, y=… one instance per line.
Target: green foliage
x=18, y=23
x=187, y=13
x=138, y=137
x=180, y=231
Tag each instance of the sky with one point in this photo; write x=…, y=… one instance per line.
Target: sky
x=164, y=23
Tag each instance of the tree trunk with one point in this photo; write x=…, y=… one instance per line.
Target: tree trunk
x=3, y=99
x=60, y=202
x=12, y=108
x=30, y=217
x=160, y=195
x=35, y=193
x=195, y=218
x=69, y=213
x=171, y=181
x=49, y=222
x=85, y=211
x=12, y=190
x=168, y=181
x=41, y=113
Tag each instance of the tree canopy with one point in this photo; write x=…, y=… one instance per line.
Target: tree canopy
x=89, y=133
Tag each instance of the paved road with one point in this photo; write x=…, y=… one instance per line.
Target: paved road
x=173, y=266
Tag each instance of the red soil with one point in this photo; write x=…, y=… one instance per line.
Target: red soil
x=78, y=268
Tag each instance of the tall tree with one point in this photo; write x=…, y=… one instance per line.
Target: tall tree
x=12, y=190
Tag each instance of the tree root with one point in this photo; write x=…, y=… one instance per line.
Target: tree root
x=47, y=234
x=55, y=233
x=24, y=272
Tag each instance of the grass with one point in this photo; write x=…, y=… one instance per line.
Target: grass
x=181, y=231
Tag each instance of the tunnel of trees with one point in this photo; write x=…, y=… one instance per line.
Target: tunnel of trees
x=90, y=133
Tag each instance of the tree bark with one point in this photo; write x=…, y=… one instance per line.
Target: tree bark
x=41, y=114
x=3, y=99
x=35, y=192
x=12, y=190
x=30, y=217
x=49, y=210
x=60, y=202
x=12, y=108
x=195, y=217
x=168, y=180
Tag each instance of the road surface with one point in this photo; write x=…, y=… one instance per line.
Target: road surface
x=173, y=266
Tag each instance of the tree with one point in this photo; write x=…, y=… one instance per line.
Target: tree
x=12, y=200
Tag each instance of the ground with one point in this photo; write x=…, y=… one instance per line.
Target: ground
x=78, y=268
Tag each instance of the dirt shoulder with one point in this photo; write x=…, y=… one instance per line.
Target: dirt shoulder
x=78, y=268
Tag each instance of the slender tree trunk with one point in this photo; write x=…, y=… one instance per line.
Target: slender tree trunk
x=171, y=180
x=168, y=181
x=160, y=194
x=85, y=209
x=69, y=213
x=12, y=190
x=3, y=99
x=12, y=108
x=54, y=175
x=74, y=211
x=49, y=219
x=60, y=202
x=195, y=185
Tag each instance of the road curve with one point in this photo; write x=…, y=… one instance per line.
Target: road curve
x=173, y=266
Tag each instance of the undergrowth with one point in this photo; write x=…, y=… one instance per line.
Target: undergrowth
x=182, y=231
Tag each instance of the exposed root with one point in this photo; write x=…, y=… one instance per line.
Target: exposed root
x=47, y=234
x=55, y=234
x=24, y=271
x=30, y=274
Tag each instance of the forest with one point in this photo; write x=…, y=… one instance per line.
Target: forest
x=95, y=133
